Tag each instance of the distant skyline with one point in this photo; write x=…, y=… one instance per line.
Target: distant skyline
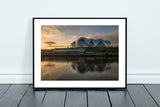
x=62, y=36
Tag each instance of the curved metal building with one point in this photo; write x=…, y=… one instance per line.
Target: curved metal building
x=84, y=42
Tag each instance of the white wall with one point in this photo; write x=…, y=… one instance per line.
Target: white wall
x=16, y=33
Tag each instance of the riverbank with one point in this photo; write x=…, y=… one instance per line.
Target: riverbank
x=84, y=52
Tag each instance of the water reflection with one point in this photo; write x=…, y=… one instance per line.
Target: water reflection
x=79, y=68
x=82, y=67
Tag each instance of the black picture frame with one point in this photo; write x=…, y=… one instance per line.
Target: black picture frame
x=33, y=28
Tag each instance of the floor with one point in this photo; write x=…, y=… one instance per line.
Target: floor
x=134, y=95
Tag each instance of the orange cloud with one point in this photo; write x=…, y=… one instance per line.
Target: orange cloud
x=49, y=30
x=74, y=37
x=53, y=45
x=50, y=33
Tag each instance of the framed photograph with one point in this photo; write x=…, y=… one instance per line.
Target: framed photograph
x=79, y=52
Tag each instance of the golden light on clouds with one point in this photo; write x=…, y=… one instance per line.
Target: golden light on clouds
x=52, y=38
x=53, y=45
x=62, y=36
x=49, y=31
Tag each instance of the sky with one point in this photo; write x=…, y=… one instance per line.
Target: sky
x=62, y=36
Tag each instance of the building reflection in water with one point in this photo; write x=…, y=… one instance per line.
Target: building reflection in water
x=79, y=68
x=82, y=67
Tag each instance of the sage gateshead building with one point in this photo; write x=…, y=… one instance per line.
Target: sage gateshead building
x=84, y=42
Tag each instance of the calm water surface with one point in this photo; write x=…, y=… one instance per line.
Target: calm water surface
x=79, y=68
